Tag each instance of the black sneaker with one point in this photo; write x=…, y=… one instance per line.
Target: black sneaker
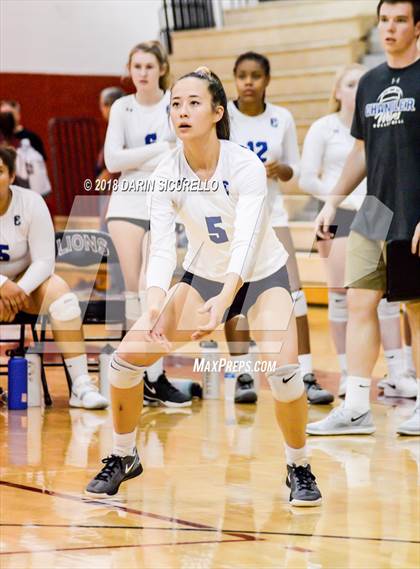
x=117, y=469
x=162, y=391
x=303, y=488
x=316, y=394
x=245, y=389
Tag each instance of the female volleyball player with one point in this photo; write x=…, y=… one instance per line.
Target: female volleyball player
x=137, y=137
x=270, y=132
x=28, y=283
x=234, y=265
x=327, y=145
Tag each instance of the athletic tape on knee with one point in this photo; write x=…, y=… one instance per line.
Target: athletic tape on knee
x=388, y=310
x=65, y=308
x=286, y=383
x=124, y=375
x=132, y=306
x=300, y=305
x=337, y=307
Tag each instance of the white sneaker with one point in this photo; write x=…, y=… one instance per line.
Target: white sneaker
x=85, y=394
x=342, y=421
x=402, y=386
x=382, y=383
x=343, y=385
x=412, y=425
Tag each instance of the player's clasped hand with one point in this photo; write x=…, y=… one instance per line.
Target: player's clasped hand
x=154, y=327
x=13, y=297
x=215, y=307
x=415, y=243
x=324, y=221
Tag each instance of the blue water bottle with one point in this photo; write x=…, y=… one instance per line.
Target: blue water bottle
x=17, y=381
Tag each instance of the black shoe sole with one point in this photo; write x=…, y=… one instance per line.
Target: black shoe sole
x=133, y=474
x=167, y=403
x=325, y=401
x=247, y=398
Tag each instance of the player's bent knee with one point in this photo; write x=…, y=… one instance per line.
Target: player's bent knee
x=337, y=307
x=286, y=383
x=300, y=304
x=124, y=375
x=388, y=310
x=65, y=308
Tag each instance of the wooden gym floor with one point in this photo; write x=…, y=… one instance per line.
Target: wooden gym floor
x=213, y=493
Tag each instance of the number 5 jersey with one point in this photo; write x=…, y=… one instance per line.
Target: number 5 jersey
x=226, y=219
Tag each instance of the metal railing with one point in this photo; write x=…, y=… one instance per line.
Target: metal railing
x=181, y=15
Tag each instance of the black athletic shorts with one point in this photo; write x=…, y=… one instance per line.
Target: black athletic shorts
x=341, y=224
x=246, y=296
x=144, y=223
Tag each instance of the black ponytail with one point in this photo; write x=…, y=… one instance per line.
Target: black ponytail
x=218, y=98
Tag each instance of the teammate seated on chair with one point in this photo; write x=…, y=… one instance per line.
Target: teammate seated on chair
x=28, y=282
x=234, y=265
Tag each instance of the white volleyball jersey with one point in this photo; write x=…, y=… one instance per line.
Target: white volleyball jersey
x=26, y=240
x=226, y=219
x=327, y=146
x=136, y=139
x=272, y=136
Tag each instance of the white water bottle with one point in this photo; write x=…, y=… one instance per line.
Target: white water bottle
x=211, y=376
x=104, y=360
x=34, y=380
x=230, y=385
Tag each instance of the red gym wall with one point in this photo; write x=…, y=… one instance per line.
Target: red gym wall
x=43, y=97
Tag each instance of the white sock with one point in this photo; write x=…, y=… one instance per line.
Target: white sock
x=394, y=362
x=155, y=370
x=408, y=358
x=342, y=360
x=124, y=444
x=358, y=394
x=305, y=362
x=77, y=366
x=240, y=364
x=298, y=456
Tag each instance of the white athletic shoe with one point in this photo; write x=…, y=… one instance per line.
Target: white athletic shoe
x=342, y=421
x=343, y=385
x=403, y=386
x=382, y=383
x=412, y=425
x=85, y=394
x=386, y=380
